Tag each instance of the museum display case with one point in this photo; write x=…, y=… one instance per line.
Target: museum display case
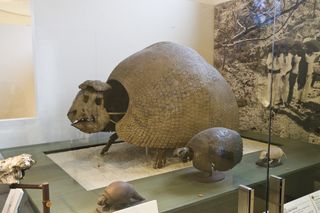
x=181, y=111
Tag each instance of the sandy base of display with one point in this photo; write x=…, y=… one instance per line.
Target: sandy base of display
x=123, y=162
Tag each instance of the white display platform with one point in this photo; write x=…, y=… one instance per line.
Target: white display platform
x=123, y=162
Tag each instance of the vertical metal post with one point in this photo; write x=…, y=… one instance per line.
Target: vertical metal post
x=245, y=199
x=45, y=196
x=276, y=194
x=271, y=104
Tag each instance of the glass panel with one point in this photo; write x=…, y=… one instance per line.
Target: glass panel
x=268, y=52
x=257, y=46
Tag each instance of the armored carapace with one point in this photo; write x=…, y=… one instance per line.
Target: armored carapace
x=119, y=195
x=212, y=151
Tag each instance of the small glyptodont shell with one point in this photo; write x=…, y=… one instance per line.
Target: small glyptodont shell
x=173, y=94
x=219, y=147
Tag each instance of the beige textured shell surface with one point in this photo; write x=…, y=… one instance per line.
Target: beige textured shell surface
x=173, y=94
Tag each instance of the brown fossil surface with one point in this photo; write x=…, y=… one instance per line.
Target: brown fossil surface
x=119, y=195
x=174, y=94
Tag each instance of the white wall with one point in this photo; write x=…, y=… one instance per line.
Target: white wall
x=76, y=40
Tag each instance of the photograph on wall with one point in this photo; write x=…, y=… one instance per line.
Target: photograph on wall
x=257, y=42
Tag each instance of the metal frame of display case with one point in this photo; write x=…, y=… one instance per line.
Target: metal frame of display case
x=245, y=199
x=45, y=193
x=276, y=196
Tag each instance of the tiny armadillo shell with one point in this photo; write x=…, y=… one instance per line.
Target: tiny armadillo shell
x=173, y=94
x=219, y=146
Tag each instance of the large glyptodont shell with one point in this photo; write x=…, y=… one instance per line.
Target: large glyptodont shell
x=173, y=94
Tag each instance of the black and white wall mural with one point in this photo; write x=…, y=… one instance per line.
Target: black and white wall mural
x=244, y=31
